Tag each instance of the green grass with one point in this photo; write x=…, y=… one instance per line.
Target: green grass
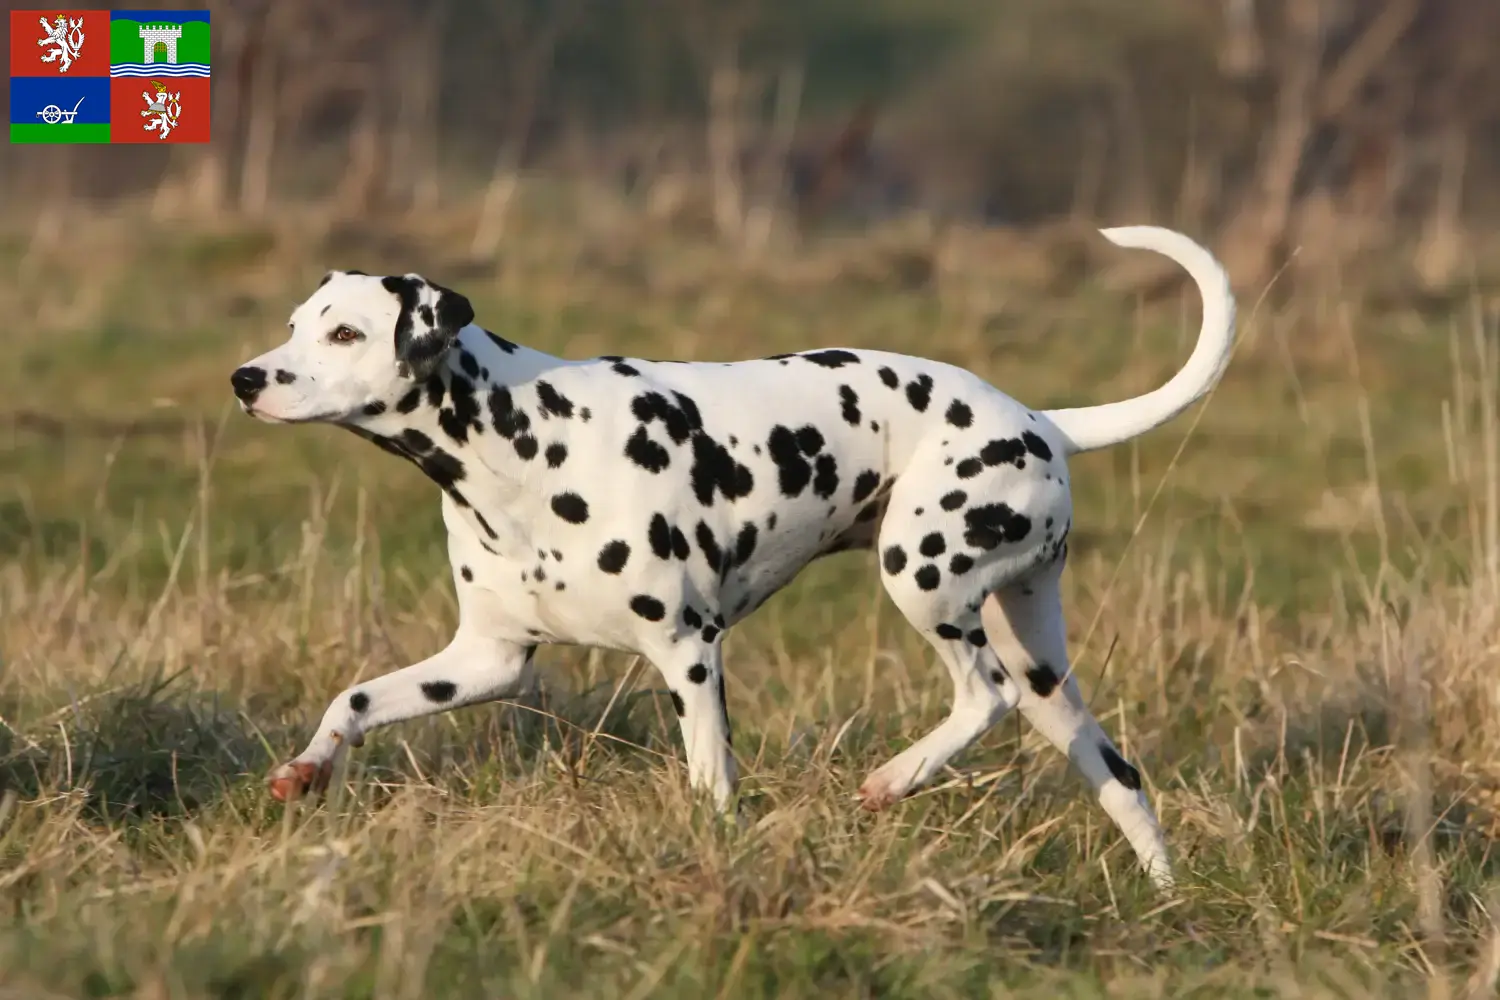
x=61, y=132
x=1296, y=646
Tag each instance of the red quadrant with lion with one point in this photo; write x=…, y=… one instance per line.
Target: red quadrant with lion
x=141, y=108
x=85, y=31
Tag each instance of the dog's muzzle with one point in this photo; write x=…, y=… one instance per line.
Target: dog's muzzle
x=248, y=382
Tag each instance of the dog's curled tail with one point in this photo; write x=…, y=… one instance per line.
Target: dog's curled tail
x=1088, y=427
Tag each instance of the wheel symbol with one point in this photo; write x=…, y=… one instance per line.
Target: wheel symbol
x=51, y=114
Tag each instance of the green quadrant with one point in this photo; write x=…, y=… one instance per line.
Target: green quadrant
x=59, y=133
x=127, y=46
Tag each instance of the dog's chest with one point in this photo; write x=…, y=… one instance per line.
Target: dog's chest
x=528, y=587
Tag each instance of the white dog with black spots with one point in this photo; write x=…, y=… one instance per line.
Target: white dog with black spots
x=650, y=506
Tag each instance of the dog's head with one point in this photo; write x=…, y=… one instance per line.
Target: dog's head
x=357, y=346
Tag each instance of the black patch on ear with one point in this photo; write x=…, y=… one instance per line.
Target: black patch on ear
x=428, y=322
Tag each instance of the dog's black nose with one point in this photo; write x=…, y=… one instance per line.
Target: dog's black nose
x=248, y=382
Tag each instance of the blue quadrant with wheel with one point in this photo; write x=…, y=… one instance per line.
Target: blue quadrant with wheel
x=84, y=99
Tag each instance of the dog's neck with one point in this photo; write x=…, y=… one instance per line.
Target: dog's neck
x=462, y=427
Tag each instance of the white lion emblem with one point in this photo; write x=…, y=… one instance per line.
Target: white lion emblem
x=167, y=108
x=66, y=35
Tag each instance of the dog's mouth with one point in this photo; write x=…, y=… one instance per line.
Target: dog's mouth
x=250, y=410
x=331, y=417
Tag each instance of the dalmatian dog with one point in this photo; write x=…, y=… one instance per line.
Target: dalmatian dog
x=650, y=506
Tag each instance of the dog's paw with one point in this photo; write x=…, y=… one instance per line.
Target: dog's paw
x=294, y=780
x=879, y=793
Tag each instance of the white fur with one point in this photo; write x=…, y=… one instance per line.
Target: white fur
x=649, y=506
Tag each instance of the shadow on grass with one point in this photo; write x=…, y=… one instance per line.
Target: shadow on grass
x=142, y=751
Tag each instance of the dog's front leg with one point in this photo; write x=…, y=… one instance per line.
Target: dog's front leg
x=472, y=669
x=694, y=673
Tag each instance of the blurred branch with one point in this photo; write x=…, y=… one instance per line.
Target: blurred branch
x=1364, y=57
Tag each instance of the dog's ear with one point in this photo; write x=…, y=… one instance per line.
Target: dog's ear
x=428, y=323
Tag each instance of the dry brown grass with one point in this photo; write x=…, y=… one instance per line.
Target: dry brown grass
x=1295, y=636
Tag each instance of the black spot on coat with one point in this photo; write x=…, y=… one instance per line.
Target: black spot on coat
x=1123, y=772
x=832, y=359
x=648, y=607
x=919, y=392
x=990, y=525
x=646, y=453
x=1003, y=451
x=1036, y=445
x=553, y=402
x=501, y=342
x=571, y=508
x=894, y=559
x=849, y=405
x=659, y=534
x=793, y=471
x=712, y=553
x=826, y=482
x=439, y=692
x=1043, y=679
x=613, y=556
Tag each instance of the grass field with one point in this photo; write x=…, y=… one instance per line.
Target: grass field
x=1285, y=607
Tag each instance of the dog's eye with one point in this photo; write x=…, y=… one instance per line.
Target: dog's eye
x=345, y=335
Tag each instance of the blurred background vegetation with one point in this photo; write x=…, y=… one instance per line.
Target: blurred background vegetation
x=1344, y=127
x=1286, y=604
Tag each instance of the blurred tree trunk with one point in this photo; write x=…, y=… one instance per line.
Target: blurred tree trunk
x=1307, y=98
x=359, y=186
x=52, y=189
x=1133, y=199
x=1202, y=179
x=728, y=191
x=529, y=52
x=1440, y=251
x=1255, y=232
x=198, y=181
x=413, y=149
x=762, y=216
x=1088, y=181
x=1242, y=56
x=263, y=57
x=715, y=38
x=427, y=184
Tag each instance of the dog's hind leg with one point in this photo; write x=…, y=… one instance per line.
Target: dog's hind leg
x=694, y=672
x=982, y=695
x=1024, y=622
x=472, y=669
